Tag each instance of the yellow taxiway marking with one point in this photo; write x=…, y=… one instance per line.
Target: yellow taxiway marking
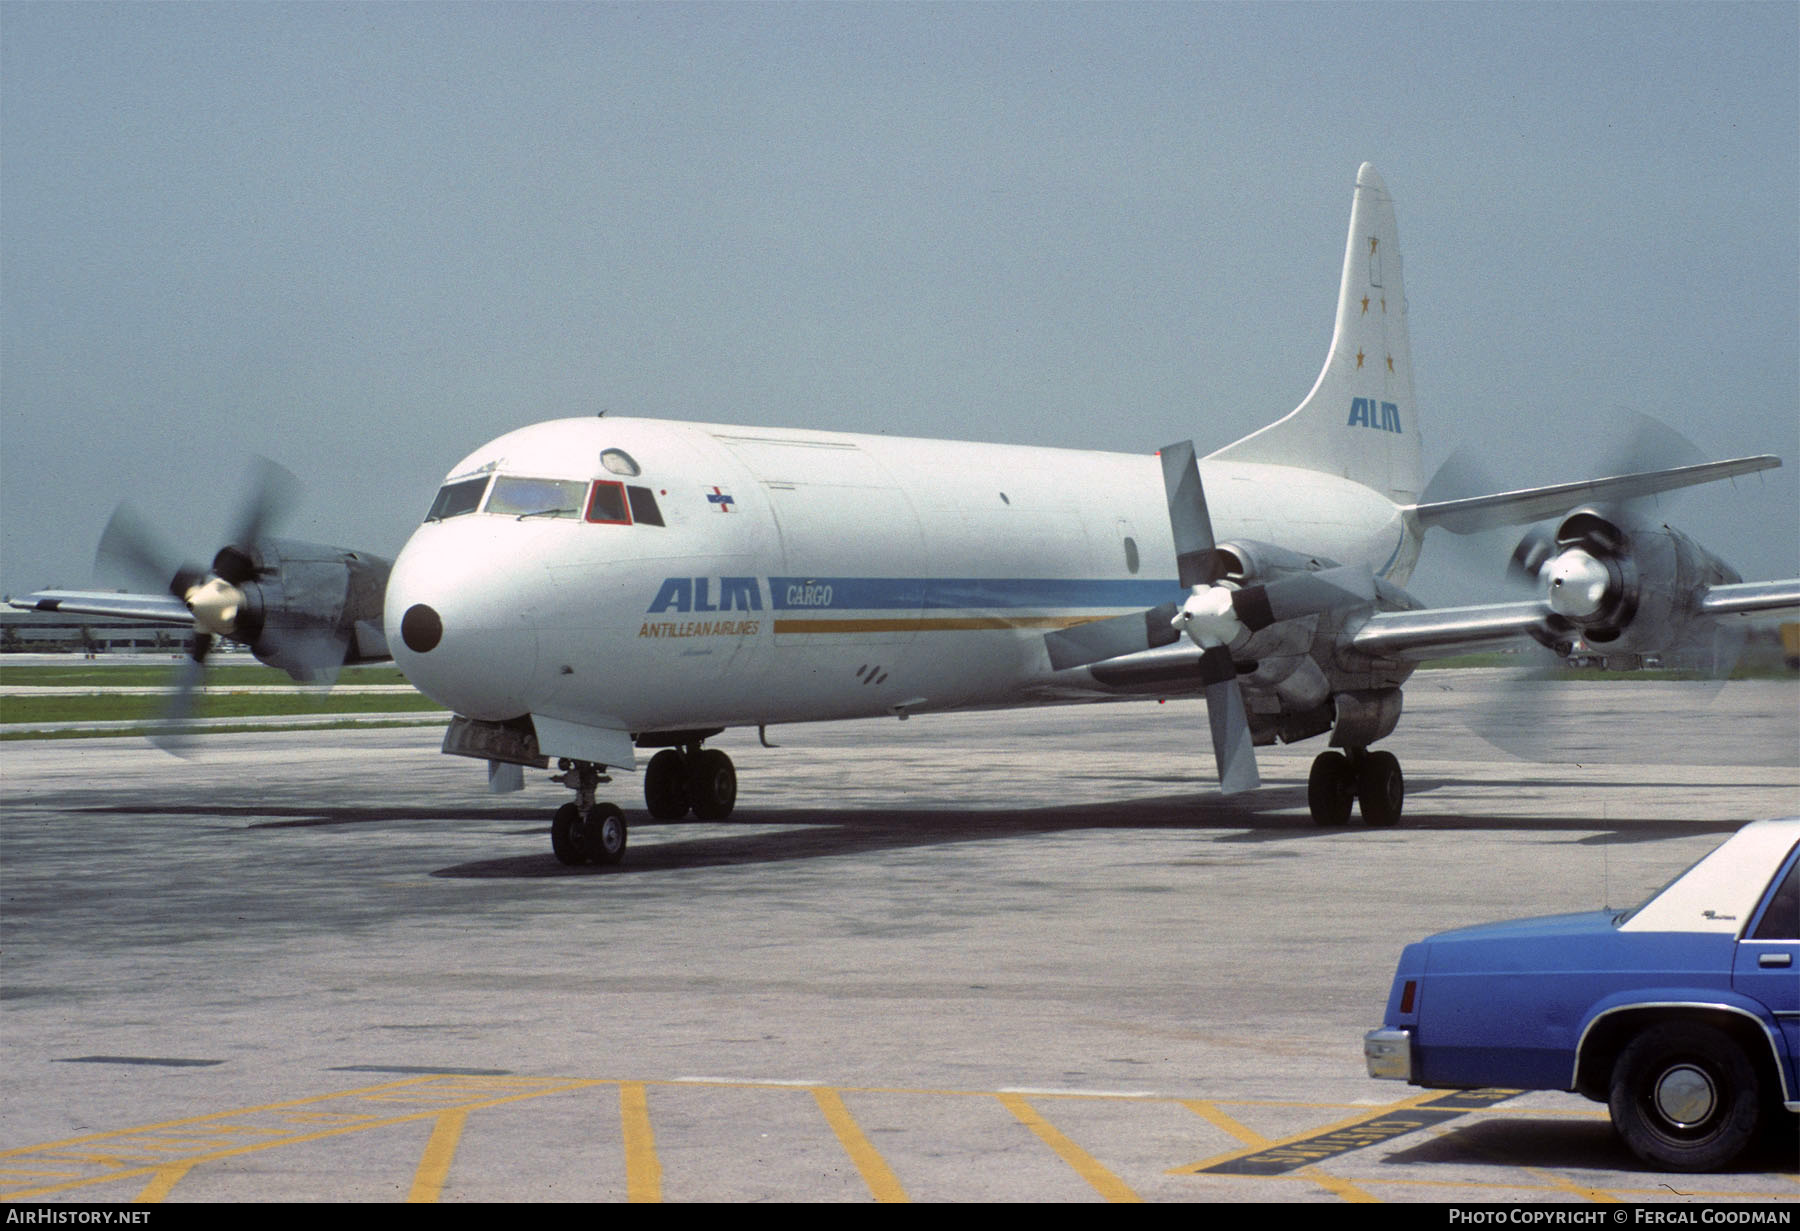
x=161, y=1182
x=1086, y=1165
x=1212, y=1115
x=883, y=1184
x=160, y=1155
x=643, y=1171
x=167, y=1151
x=434, y=1166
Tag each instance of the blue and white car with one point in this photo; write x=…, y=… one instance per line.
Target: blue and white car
x=1683, y=1015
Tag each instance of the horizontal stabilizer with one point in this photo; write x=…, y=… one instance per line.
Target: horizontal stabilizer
x=1527, y=505
x=157, y=608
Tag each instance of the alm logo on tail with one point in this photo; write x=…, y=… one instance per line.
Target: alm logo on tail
x=1382, y=416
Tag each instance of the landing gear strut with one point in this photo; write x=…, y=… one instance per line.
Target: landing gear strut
x=586, y=831
x=1372, y=779
x=701, y=780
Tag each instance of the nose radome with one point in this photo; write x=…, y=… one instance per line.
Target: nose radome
x=463, y=613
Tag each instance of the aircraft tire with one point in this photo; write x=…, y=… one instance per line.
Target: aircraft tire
x=603, y=840
x=711, y=784
x=1331, y=788
x=562, y=835
x=665, y=785
x=1380, y=789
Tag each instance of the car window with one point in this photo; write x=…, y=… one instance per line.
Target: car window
x=1781, y=918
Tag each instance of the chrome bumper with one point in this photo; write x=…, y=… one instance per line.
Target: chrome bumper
x=1388, y=1053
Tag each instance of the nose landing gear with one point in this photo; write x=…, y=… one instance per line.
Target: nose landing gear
x=586, y=831
x=676, y=782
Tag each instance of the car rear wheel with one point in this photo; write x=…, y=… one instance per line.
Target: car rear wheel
x=1684, y=1097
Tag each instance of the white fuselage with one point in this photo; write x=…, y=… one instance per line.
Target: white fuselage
x=801, y=575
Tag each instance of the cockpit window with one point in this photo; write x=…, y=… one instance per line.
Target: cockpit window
x=517, y=497
x=455, y=499
x=643, y=506
x=607, y=504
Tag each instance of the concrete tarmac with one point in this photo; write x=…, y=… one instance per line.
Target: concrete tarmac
x=1022, y=956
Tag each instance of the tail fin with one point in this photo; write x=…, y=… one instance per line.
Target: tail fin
x=1359, y=421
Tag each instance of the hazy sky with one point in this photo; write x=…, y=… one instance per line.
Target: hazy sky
x=362, y=239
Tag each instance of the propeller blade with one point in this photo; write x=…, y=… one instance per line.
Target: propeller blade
x=130, y=551
x=1191, y=524
x=175, y=735
x=1216, y=666
x=1233, y=749
x=1647, y=444
x=1188, y=517
x=1098, y=640
x=1301, y=594
x=1553, y=716
x=1462, y=476
x=1529, y=557
x=311, y=655
x=273, y=492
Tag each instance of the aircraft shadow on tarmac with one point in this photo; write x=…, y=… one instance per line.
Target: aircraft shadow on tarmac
x=1275, y=814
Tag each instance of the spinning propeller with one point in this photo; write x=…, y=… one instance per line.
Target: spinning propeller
x=1615, y=577
x=292, y=621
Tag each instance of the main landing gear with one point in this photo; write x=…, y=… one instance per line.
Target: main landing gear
x=1371, y=779
x=696, y=779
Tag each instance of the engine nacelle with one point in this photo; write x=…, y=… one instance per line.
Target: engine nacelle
x=306, y=608
x=1623, y=581
x=1246, y=562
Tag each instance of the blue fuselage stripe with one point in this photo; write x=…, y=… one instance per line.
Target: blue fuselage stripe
x=963, y=593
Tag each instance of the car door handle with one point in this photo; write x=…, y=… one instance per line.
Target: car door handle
x=1775, y=959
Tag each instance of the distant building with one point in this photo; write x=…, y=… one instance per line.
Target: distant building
x=51, y=632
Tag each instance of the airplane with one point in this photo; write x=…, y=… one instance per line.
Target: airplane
x=584, y=590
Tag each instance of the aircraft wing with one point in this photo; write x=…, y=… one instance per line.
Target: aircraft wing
x=1744, y=598
x=1434, y=632
x=159, y=608
x=1530, y=504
